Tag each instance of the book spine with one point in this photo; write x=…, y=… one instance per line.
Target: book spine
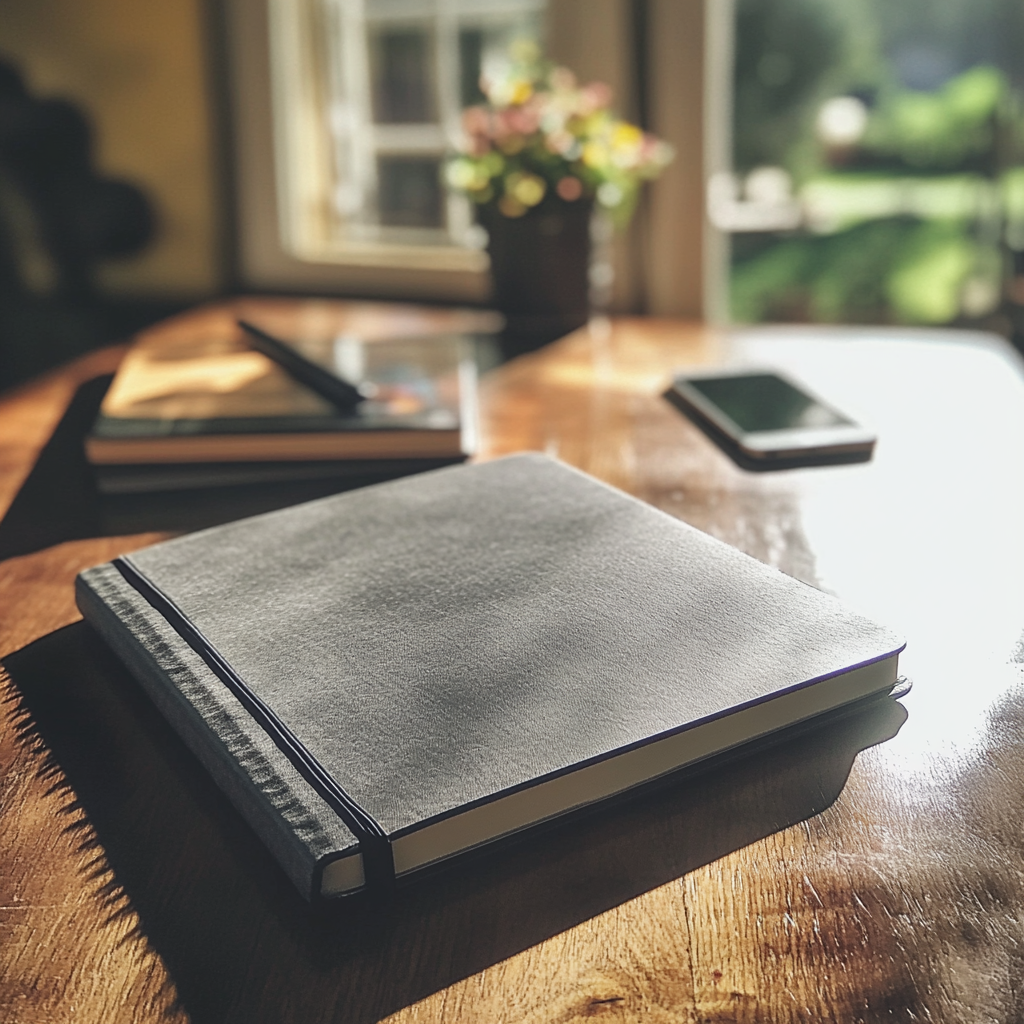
x=291, y=819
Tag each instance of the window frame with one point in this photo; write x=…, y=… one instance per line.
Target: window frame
x=275, y=249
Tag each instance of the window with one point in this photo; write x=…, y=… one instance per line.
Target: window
x=341, y=111
x=877, y=161
x=399, y=73
x=366, y=98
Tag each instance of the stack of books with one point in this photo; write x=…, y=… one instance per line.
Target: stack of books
x=188, y=412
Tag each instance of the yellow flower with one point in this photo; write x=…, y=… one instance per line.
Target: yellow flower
x=538, y=125
x=626, y=136
x=595, y=154
x=520, y=92
x=529, y=189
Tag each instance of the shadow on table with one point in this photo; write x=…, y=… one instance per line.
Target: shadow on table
x=57, y=501
x=239, y=942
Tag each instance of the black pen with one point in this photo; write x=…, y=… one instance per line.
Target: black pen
x=335, y=389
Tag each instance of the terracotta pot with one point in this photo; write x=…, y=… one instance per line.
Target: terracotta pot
x=540, y=264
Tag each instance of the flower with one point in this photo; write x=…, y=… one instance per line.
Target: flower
x=541, y=137
x=569, y=188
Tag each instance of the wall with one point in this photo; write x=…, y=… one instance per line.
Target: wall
x=137, y=67
x=678, y=229
x=660, y=263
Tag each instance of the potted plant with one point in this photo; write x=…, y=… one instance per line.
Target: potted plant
x=536, y=159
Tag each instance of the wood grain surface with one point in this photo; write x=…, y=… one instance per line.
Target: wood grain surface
x=804, y=882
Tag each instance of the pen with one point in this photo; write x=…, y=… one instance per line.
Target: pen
x=332, y=387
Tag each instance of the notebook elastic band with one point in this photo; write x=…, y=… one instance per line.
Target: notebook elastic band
x=378, y=862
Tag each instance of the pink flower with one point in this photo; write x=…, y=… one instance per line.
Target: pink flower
x=560, y=142
x=595, y=96
x=503, y=124
x=475, y=121
x=540, y=133
x=569, y=188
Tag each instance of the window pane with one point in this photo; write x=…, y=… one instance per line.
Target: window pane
x=409, y=192
x=471, y=52
x=403, y=80
x=374, y=91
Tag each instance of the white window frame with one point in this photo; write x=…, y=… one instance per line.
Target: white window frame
x=282, y=240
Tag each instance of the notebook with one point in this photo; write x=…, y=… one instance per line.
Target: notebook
x=385, y=679
x=197, y=411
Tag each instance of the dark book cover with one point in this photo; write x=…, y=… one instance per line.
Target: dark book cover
x=385, y=679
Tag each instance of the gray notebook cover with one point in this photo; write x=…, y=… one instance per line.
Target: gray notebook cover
x=454, y=640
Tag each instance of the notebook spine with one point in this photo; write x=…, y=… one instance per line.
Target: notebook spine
x=378, y=862
x=291, y=819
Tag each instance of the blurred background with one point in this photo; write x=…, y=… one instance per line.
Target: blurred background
x=878, y=160
x=836, y=160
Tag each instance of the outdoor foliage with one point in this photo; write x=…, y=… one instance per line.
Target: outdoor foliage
x=911, y=220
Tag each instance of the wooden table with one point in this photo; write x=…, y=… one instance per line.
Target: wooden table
x=774, y=889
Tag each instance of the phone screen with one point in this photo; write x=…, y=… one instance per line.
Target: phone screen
x=761, y=401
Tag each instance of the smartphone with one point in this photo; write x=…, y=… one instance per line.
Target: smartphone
x=764, y=421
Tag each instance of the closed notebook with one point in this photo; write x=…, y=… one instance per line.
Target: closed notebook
x=208, y=410
x=384, y=679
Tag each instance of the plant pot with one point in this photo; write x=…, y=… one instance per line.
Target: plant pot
x=540, y=264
